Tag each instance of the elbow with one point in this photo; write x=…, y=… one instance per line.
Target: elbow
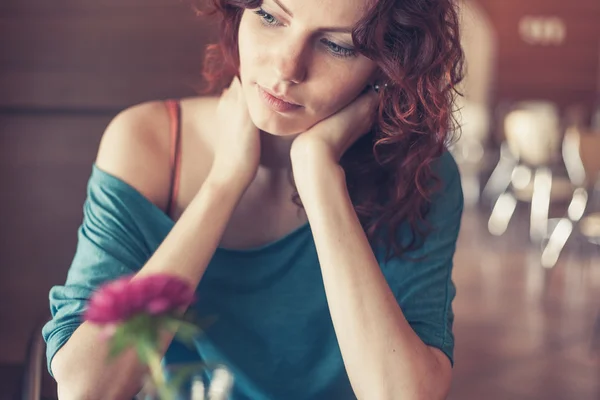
x=69, y=392
x=74, y=388
x=71, y=384
x=416, y=389
x=435, y=387
x=433, y=391
x=77, y=389
x=75, y=380
x=434, y=384
x=431, y=382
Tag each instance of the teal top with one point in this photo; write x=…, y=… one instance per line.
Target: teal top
x=273, y=328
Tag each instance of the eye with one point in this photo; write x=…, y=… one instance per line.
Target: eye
x=266, y=18
x=337, y=50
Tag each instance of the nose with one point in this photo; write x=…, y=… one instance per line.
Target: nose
x=290, y=62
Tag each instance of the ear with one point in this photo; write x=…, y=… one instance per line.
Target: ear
x=377, y=76
x=378, y=80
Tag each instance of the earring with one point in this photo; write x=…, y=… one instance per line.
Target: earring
x=377, y=87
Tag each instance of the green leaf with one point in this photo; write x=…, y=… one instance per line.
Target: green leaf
x=119, y=342
x=184, y=327
x=143, y=349
x=144, y=336
x=187, y=332
x=169, y=323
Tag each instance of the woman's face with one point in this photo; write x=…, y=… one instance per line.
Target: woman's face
x=300, y=51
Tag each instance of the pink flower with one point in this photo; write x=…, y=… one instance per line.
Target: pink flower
x=123, y=298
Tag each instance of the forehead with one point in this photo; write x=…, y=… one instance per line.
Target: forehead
x=325, y=13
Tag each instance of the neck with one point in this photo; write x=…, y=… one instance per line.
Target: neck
x=275, y=151
x=275, y=164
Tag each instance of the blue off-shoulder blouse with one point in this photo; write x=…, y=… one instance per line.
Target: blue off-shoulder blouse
x=273, y=328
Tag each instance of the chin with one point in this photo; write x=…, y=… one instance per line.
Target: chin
x=270, y=121
x=277, y=130
x=276, y=124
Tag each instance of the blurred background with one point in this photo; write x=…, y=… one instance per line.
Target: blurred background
x=527, y=266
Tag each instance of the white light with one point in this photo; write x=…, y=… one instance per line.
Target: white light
x=578, y=204
x=521, y=177
x=501, y=214
x=540, y=203
x=221, y=384
x=556, y=242
x=543, y=30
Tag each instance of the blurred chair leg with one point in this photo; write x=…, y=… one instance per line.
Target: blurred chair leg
x=32, y=377
x=563, y=230
x=501, y=176
x=540, y=204
x=578, y=204
x=502, y=213
x=556, y=242
x=595, y=345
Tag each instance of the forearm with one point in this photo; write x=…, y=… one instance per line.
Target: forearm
x=189, y=247
x=80, y=366
x=383, y=356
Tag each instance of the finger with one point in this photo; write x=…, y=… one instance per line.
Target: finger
x=370, y=100
x=233, y=85
x=366, y=108
x=236, y=84
x=233, y=91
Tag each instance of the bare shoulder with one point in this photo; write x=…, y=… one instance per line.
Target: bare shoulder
x=135, y=148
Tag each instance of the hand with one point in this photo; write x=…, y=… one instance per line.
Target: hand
x=331, y=137
x=237, y=148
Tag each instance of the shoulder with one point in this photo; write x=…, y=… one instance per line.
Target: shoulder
x=136, y=145
x=447, y=202
x=446, y=170
x=135, y=149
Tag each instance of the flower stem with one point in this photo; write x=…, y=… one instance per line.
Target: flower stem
x=158, y=377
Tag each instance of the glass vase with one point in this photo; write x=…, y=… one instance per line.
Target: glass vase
x=190, y=382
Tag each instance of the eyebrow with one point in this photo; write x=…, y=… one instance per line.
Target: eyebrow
x=284, y=8
x=332, y=29
x=341, y=29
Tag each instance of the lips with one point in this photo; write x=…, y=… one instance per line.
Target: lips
x=279, y=96
x=277, y=102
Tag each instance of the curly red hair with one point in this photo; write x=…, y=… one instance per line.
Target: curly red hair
x=416, y=46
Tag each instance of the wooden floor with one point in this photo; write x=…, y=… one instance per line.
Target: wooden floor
x=522, y=332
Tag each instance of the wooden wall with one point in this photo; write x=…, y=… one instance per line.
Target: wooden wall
x=67, y=67
x=568, y=73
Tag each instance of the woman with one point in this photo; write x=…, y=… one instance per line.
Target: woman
x=333, y=284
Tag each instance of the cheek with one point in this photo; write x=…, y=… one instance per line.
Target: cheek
x=336, y=82
x=249, y=46
x=335, y=91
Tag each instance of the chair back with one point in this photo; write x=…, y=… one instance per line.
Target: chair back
x=532, y=131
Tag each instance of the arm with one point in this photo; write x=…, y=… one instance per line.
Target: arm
x=384, y=357
x=79, y=366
